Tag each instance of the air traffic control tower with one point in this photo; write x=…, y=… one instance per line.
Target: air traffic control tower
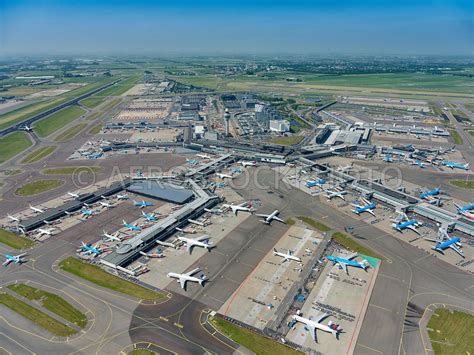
x=226, y=122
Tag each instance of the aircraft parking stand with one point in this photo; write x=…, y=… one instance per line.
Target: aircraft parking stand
x=179, y=261
x=257, y=300
x=333, y=289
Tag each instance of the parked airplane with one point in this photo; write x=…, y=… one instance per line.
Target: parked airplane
x=14, y=258
x=26, y=128
x=268, y=218
x=14, y=219
x=90, y=250
x=465, y=211
x=343, y=263
x=311, y=183
x=388, y=158
x=403, y=222
x=142, y=203
x=312, y=325
x=246, y=163
x=236, y=208
x=86, y=212
x=105, y=204
x=149, y=217
x=186, y=230
x=187, y=276
x=419, y=163
x=330, y=194
x=366, y=207
x=112, y=237
x=36, y=209
x=72, y=194
x=45, y=231
x=202, y=242
x=131, y=227
x=446, y=242
x=203, y=156
x=122, y=197
x=429, y=195
x=453, y=165
x=192, y=161
x=286, y=257
x=158, y=254
x=224, y=176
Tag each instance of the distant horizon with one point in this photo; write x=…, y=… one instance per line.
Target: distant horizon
x=183, y=27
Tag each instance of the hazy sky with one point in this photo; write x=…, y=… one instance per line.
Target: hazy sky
x=202, y=26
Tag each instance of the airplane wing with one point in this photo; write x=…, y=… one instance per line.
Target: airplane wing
x=371, y=212
x=203, y=237
x=356, y=205
x=278, y=219
x=8, y=261
x=262, y=215
x=413, y=229
x=312, y=331
x=189, y=247
x=182, y=281
x=21, y=255
x=344, y=267
x=352, y=256
x=192, y=272
x=457, y=249
x=322, y=317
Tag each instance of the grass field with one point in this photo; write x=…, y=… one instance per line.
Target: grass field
x=290, y=222
x=451, y=332
x=70, y=132
x=22, y=113
x=462, y=183
x=38, y=154
x=109, y=105
x=471, y=133
x=51, y=302
x=93, y=116
x=37, y=187
x=13, y=172
x=96, y=129
x=257, y=343
x=470, y=107
x=13, y=144
x=36, y=316
x=92, y=101
x=57, y=120
x=351, y=244
x=120, y=88
x=141, y=352
x=290, y=140
x=102, y=278
x=400, y=83
x=455, y=136
x=14, y=241
x=71, y=170
x=316, y=225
